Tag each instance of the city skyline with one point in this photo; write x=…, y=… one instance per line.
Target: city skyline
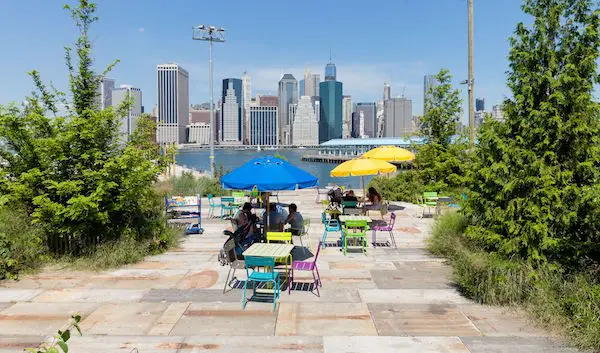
x=141, y=44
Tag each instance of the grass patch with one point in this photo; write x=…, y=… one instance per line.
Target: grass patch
x=188, y=184
x=563, y=302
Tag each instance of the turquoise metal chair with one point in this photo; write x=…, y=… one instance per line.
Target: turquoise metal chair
x=331, y=225
x=212, y=205
x=228, y=205
x=261, y=277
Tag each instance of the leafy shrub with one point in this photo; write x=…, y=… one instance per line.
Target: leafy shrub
x=188, y=184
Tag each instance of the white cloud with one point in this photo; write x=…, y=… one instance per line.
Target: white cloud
x=141, y=29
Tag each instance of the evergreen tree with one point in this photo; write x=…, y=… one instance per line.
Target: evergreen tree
x=535, y=184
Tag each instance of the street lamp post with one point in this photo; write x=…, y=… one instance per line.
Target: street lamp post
x=210, y=34
x=471, y=78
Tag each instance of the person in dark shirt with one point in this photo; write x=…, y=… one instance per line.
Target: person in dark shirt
x=295, y=220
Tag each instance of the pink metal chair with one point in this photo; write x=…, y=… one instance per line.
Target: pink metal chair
x=385, y=228
x=306, y=266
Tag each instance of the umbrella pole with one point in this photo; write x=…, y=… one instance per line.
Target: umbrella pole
x=266, y=218
x=364, y=194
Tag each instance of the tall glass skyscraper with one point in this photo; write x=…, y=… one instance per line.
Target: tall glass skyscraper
x=330, y=123
x=288, y=95
x=237, y=87
x=429, y=82
x=330, y=72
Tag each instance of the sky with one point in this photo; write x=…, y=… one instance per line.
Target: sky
x=395, y=41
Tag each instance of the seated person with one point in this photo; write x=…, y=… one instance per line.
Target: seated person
x=242, y=216
x=295, y=220
x=374, y=199
x=349, y=196
x=275, y=219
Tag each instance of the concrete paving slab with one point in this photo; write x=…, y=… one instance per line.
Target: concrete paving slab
x=514, y=344
x=350, y=265
x=124, y=344
x=341, y=278
x=11, y=344
x=40, y=318
x=382, y=344
x=123, y=318
x=201, y=279
x=329, y=294
x=49, y=280
x=192, y=295
x=9, y=295
x=168, y=319
x=137, y=279
x=414, y=276
x=324, y=319
x=244, y=344
x=496, y=321
x=412, y=296
x=93, y=295
x=225, y=319
x=423, y=320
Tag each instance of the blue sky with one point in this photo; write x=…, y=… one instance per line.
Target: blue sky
x=397, y=41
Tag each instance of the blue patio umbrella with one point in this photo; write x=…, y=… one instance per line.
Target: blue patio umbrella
x=268, y=174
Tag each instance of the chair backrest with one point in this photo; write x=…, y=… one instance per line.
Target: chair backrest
x=229, y=248
x=259, y=261
x=323, y=217
x=392, y=219
x=238, y=196
x=211, y=200
x=384, y=208
x=305, y=226
x=349, y=203
x=279, y=236
x=356, y=224
x=318, y=250
x=428, y=195
x=227, y=200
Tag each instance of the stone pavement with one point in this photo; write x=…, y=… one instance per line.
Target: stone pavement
x=393, y=300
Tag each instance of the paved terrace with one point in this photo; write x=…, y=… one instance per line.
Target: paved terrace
x=393, y=300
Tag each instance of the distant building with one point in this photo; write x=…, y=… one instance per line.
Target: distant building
x=231, y=115
x=173, y=103
x=479, y=104
x=311, y=84
x=330, y=123
x=301, y=88
x=387, y=91
x=346, y=117
x=479, y=117
x=247, y=100
x=236, y=85
x=498, y=112
x=330, y=72
x=288, y=94
x=263, y=125
x=199, y=116
x=398, y=117
x=306, y=122
x=129, y=121
x=104, y=95
x=316, y=82
x=366, y=119
x=380, y=118
x=429, y=82
x=199, y=133
x=268, y=101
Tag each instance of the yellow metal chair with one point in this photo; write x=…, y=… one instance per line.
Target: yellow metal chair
x=285, y=237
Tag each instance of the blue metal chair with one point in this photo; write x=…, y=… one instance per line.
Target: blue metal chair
x=261, y=277
x=228, y=205
x=331, y=225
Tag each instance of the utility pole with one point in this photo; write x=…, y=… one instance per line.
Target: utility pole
x=210, y=34
x=471, y=78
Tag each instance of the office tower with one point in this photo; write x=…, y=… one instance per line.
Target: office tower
x=301, y=88
x=479, y=104
x=199, y=133
x=367, y=115
x=173, y=103
x=263, y=125
x=268, y=101
x=247, y=99
x=330, y=123
x=238, y=92
x=380, y=118
x=429, y=82
x=387, y=91
x=316, y=80
x=330, y=72
x=288, y=94
x=498, y=112
x=231, y=116
x=346, y=117
x=311, y=85
x=305, y=123
x=199, y=116
x=129, y=121
x=398, y=117
x=479, y=117
x=104, y=95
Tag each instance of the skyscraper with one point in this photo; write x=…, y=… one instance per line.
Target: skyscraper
x=263, y=125
x=380, y=118
x=367, y=118
x=387, y=91
x=238, y=91
x=173, y=103
x=330, y=123
x=398, y=117
x=479, y=104
x=104, y=96
x=316, y=81
x=330, y=72
x=268, y=101
x=129, y=121
x=231, y=121
x=346, y=117
x=301, y=88
x=429, y=82
x=311, y=83
x=247, y=99
x=305, y=122
x=288, y=94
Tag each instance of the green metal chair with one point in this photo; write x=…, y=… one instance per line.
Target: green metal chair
x=238, y=197
x=429, y=200
x=348, y=204
x=357, y=231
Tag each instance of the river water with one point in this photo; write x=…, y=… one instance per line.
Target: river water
x=231, y=159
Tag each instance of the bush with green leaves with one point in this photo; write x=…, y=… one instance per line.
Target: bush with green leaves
x=81, y=182
x=535, y=188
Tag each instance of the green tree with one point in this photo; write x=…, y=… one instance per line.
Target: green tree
x=442, y=111
x=535, y=184
x=76, y=176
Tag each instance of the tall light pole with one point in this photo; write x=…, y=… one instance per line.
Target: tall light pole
x=210, y=34
x=471, y=78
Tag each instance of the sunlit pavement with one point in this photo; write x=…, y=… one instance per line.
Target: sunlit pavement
x=392, y=300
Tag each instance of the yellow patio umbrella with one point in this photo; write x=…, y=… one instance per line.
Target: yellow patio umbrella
x=362, y=167
x=390, y=154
